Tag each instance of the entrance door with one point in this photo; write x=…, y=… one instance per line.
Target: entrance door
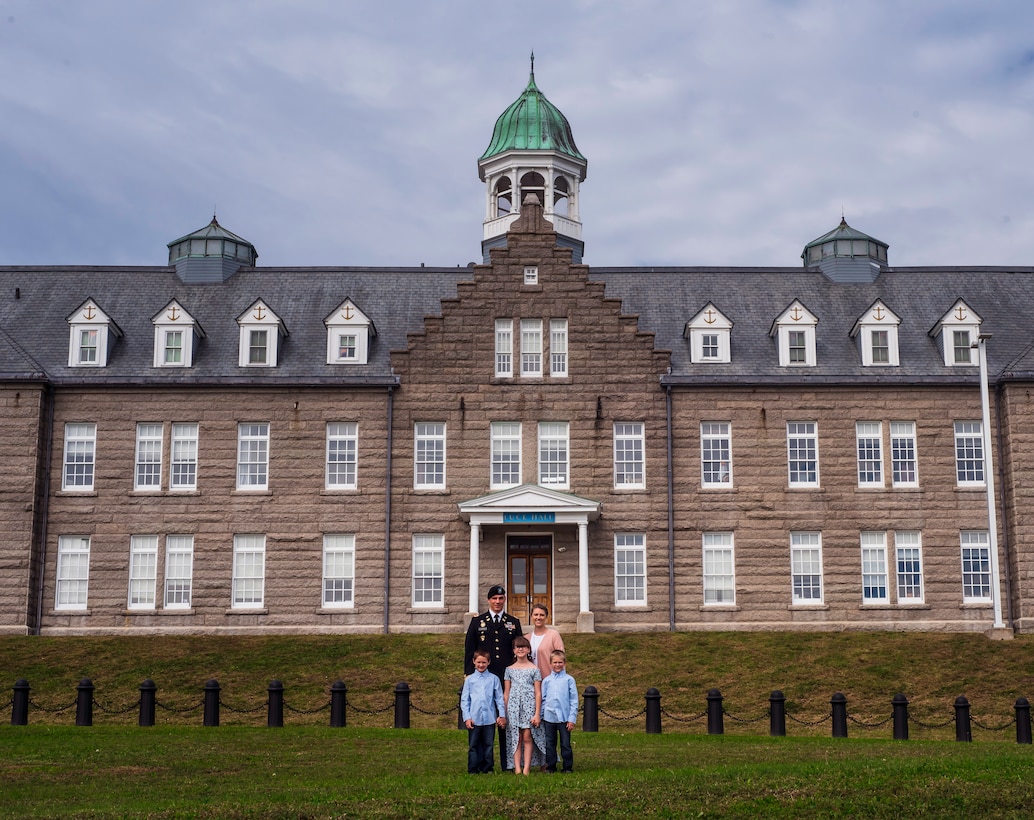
x=530, y=574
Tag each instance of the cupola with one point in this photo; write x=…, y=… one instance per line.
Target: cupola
x=532, y=151
x=210, y=254
x=846, y=255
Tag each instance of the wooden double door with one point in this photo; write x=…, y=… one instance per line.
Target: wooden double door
x=529, y=574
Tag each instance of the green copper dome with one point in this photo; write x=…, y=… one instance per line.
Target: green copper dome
x=532, y=123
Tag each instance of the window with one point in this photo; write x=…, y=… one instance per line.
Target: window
x=249, y=571
x=553, y=454
x=176, y=335
x=73, y=571
x=877, y=332
x=429, y=455
x=346, y=347
x=558, y=347
x=969, y=453
x=531, y=347
x=260, y=334
x=179, y=568
x=628, y=455
x=709, y=335
x=531, y=275
x=349, y=332
x=963, y=353
x=80, y=449
x=629, y=569
x=795, y=334
x=976, y=566
x=148, y=457
x=87, y=347
x=880, y=347
x=184, y=456
x=504, y=348
x=342, y=439
x=90, y=334
x=506, y=454
x=338, y=571
x=716, y=454
x=903, y=453
x=428, y=573
x=143, y=571
x=708, y=345
x=874, y=568
x=956, y=332
x=252, y=456
x=869, y=440
x=806, y=567
x=798, y=347
x=802, y=444
x=909, y=556
x=258, y=347
x=719, y=577
x=173, y=347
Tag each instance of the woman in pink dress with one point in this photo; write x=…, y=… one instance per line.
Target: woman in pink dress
x=544, y=639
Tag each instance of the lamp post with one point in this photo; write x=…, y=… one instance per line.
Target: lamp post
x=992, y=515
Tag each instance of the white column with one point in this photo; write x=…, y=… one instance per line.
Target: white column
x=583, y=566
x=475, y=563
x=989, y=478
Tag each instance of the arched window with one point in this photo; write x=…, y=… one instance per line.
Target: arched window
x=533, y=183
x=561, y=196
x=503, y=197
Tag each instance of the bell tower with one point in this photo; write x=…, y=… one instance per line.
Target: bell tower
x=532, y=151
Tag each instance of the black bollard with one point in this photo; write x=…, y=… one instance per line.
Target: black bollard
x=211, y=717
x=653, y=711
x=148, y=699
x=839, y=704
x=590, y=709
x=401, y=705
x=275, y=716
x=1022, y=720
x=84, y=703
x=715, y=714
x=20, y=703
x=777, y=714
x=900, y=703
x=338, y=704
x=963, y=731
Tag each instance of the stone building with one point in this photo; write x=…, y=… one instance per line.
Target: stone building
x=216, y=446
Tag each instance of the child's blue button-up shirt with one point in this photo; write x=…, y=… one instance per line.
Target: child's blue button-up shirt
x=559, y=698
x=482, y=698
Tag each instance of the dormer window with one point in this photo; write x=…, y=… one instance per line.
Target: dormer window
x=91, y=335
x=348, y=335
x=709, y=336
x=794, y=331
x=957, y=332
x=175, y=336
x=877, y=334
x=260, y=334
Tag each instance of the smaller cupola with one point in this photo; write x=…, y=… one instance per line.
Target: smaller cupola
x=211, y=254
x=846, y=255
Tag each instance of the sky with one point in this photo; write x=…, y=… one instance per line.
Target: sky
x=347, y=132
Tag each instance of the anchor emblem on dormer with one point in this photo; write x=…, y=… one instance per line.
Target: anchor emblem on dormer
x=796, y=314
x=173, y=313
x=89, y=313
x=260, y=312
x=960, y=313
x=347, y=312
x=710, y=317
x=878, y=313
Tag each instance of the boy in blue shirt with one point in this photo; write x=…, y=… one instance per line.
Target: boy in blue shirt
x=483, y=708
x=559, y=711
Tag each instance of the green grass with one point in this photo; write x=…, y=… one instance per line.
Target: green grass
x=242, y=769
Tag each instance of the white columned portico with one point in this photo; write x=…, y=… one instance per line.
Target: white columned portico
x=475, y=563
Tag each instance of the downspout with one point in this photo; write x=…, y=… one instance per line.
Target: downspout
x=671, y=514
x=42, y=511
x=1000, y=445
x=387, y=509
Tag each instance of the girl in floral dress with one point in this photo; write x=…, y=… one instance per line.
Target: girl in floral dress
x=522, y=691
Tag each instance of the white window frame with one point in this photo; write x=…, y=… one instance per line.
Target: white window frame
x=802, y=449
x=429, y=448
x=710, y=323
x=89, y=336
x=172, y=322
x=629, y=569
x=258, y=347
x=253, y=456
x=903, y=454
x=88, y=347
x=505, y=470
x=962, y=347
x=183, y=452
x=259, y=319
x=875, y=580
x=342, y=455
x=173, y=347
x=558, y=348
x=716, y=454
x=347, y=347
x=531, y=275
x=428, y=570
x=908, y=561
x=869, y=449
x=960, y=319
x=629, y=455
x=338, y=571
x=73, y=573
x=79, y=463
x=504, y=348
x=249, y=572
x=796, y=318
x=555, y=454
x=806, y=580
x=879, y=319
x=531, y=348
x=143, y=571
x=970, y=464
x=147, y=469
x=719, y=569
x=976, y=566
x=179, y=571
x=349, y=332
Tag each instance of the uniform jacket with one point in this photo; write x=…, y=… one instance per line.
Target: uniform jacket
x=483, y=633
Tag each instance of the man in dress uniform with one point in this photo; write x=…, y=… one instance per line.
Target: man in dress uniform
x=493, y=630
